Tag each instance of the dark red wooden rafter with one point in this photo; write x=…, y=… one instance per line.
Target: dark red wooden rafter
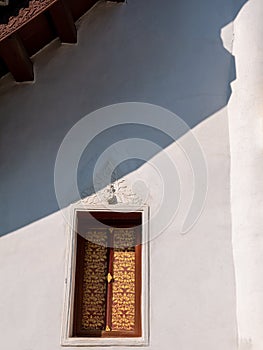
x=16, y=58
x=63, y=22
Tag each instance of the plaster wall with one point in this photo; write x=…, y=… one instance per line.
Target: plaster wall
x=167, y=53
x=246, y=140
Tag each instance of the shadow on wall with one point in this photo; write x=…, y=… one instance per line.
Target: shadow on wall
x=167, y=53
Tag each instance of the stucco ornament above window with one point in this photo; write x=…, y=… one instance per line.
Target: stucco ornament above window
x=118, y=192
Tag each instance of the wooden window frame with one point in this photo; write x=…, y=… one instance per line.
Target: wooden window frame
x=141, y=336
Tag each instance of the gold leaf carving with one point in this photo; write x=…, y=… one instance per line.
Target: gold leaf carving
x=94, y=284
x=123, y=302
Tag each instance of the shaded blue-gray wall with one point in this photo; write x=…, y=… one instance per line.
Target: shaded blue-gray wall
x=167, y=53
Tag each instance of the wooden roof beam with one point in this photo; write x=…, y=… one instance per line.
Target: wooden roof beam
x=63, y=22
x=16, y=58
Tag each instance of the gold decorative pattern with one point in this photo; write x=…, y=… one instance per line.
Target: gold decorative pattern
x=124, y=238
x=94, y=283
x=123, y=299
x=109, y=278
x=26, y=14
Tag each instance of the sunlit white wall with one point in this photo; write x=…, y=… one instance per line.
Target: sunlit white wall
x=246, y=140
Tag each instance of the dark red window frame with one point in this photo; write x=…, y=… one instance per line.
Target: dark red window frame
x=84, y=221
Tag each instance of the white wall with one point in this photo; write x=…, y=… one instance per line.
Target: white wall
x=246, y=136
x=167, y=53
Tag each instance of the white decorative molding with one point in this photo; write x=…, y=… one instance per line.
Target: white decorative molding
x=118, y=192
x=67, y=323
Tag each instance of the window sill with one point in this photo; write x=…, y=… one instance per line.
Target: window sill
x=78, y=342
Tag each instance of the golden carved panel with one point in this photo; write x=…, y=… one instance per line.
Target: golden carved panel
x=94, y=282
x=124, y=239
x=123, y=288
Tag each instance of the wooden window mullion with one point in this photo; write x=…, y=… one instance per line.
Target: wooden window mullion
x=109, y=281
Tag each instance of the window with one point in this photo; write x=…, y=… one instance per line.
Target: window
x=106, y=301
x=108, y=275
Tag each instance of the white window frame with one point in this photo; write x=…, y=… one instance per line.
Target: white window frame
x=67, y=323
